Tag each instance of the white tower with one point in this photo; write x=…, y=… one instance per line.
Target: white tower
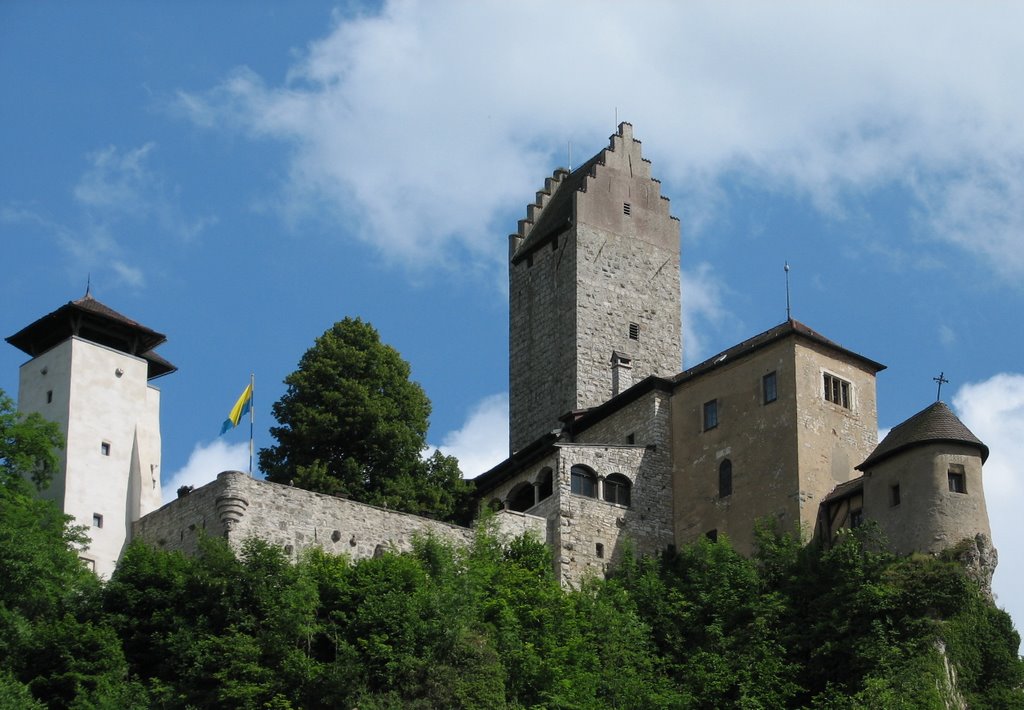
x=90, y=373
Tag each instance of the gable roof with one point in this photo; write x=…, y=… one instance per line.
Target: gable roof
x=788, y=328
x=89, y=319
x=935, y=423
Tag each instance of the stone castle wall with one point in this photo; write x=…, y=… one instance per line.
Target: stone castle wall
x=541, y=341
x=608, y=283
x=236, y=507
x=928, y=516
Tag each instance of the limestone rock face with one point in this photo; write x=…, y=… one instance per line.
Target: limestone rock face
x=979, y=558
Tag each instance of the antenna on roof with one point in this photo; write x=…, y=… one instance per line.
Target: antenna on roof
x=788, y=310
x=941, y=379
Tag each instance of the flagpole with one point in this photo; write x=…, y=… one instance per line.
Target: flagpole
x=252, y=415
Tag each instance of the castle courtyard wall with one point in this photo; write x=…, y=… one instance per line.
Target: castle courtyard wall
x=237, y=507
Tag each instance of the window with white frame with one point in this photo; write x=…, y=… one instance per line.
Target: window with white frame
x=837, y=391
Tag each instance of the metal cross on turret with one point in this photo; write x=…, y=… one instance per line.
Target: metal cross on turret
x=942, y=381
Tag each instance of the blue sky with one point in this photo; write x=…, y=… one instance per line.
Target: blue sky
x=241, y=175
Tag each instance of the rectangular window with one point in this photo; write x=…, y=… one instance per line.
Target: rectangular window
x=89, y=564
x=599, y=550
x=769, y=387
x=894, y=495
x=634, y=331
x=626, y=208
x=957, y=479
x=631, y=439
x=837, y=391
x=105, y=448
x=856, y=518
x=97, y=520
x=712, y=535
x=710, y=414
x=49, y=396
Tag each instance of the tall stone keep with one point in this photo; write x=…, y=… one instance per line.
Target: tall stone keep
x=90, y=373
x=594, y=297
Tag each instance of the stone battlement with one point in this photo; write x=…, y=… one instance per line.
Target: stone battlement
x=236, y=506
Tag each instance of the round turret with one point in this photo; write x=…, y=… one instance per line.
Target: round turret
x=923, y=483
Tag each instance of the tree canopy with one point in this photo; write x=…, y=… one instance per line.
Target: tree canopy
x=28, y=446
x=352, y=423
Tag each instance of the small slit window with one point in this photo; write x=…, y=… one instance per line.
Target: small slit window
x=957, y=479
x=769, y=387
x=894, y=495
x=97, y=520
x=105, y=448
x=710, y=414
x=725, y=479
x=49, y=396
x=599, y=550
x=627, y=208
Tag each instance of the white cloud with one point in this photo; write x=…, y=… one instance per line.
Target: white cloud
x=702, y=310
x=118, y=194
x=994, y=411
x=204, y=463
x=424, y=105
x=482, y=442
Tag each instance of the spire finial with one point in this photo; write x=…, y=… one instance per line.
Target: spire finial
x=789, y=315
x=88, y=285
x=941, y=379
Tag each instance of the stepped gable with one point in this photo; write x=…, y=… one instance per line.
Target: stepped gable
x=935, y=423
x=553, y=210
x=89, y=319
x=790, y=327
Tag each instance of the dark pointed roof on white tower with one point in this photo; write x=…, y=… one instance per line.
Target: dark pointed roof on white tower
x=89, y=319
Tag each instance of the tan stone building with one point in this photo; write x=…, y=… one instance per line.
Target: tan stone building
x=610, y=443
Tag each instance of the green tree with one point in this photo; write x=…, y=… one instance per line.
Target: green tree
x=28, y=446
x=352, y=423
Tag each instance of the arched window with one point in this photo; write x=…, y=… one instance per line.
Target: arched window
x=521, y=497
x=545, y=480
x=616, y=489
x=584, y=481
x=725, y=479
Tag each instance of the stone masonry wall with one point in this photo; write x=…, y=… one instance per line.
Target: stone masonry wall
x=541, y=341
x=928, y=517
x=572, y=302
x=237, y=507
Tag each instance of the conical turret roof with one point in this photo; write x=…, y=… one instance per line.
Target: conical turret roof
x=935, y=423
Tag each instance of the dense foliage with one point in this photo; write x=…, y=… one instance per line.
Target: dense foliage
x=352, y=423
x=489, y=627
x=28, y=446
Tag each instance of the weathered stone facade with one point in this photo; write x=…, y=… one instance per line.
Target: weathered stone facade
x=593, y=289
x=771, y=429
x=236, y=507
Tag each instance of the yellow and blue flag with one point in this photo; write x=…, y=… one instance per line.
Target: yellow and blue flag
x=240, y=409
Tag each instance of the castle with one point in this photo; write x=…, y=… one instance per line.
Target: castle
x=609, y=442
